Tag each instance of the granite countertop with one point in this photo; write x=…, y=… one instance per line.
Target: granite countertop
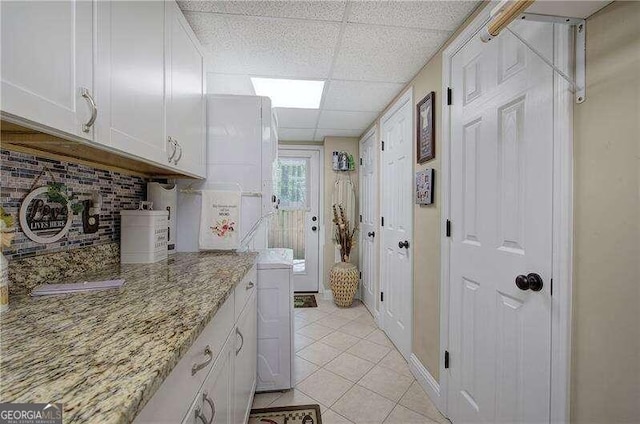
x=104, y=354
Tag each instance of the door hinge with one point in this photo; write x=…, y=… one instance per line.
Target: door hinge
x=381, y=296
x=446, y=359
x=360, y=218
x=361, y=275
x=383, y=146
x=448, y=230
x=551, y=286
x=360, y=161
x=382, y=221
x=449, y=96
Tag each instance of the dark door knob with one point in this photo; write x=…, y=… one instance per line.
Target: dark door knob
x=314, y=228
x=530, y=281
x=314, y=219
x=371, y=234
x=404, y=244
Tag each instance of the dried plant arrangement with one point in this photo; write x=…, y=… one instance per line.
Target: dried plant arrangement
x=344, y=234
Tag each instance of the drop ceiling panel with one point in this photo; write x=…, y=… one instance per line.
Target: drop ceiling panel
x=229, y=84
x=390, y=54
x=346, y=120
x=322, y=133
x=360, y=95
x=295, y=134
x=315, y=10
x=441, y=15
x=264, y=46
x=297, y=118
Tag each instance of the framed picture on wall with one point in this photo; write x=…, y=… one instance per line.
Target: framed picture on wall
x=425, y=132
x=424, y=187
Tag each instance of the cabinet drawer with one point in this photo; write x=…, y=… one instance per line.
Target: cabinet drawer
x=245, y=289
x=176, y=394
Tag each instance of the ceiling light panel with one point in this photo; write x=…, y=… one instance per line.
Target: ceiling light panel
x=303, y=94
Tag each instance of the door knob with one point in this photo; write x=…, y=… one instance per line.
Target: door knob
x=404, y=244
x=314, y=228
x=531, y=281
x=371, y=234
x=314, y=219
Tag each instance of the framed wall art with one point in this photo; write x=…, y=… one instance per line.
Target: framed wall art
x=424, y=187
x=425, y=132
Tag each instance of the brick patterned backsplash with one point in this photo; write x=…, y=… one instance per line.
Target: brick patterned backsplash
x=119, y=191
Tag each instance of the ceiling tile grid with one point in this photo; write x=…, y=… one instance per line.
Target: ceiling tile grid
x=365, y=51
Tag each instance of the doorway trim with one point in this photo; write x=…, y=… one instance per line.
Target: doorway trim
x=321, y=213
x=562, y=212
x=375, y=133
x=405, y=97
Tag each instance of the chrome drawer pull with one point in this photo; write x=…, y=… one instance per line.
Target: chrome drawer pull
x=84, y=92
x=241, y=340
x=205, y=397
x=198, y=367
x=249, y=286
x=200, y=416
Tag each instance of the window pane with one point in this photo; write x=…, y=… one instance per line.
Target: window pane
x=291, y=183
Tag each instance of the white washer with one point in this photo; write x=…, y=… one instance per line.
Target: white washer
x=275, y=320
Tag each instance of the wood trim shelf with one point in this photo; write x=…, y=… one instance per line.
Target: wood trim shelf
x=24, y=140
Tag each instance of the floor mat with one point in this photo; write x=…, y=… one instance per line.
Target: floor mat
x=304, y=301
x=303, y=414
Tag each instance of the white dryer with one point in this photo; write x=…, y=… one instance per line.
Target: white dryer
x=275, y=320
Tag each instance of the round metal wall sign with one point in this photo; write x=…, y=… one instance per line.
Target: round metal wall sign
x=44, y=221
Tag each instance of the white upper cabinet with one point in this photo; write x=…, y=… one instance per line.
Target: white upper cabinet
x=47, y=53
x=185, y=101
x=130, y=78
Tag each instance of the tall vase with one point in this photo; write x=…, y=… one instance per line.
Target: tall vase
x=4, y=284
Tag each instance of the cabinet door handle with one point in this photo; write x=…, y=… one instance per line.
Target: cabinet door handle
x=200, y=416
x=94, y=109
x=197, y=367
x=173, y=143
x=180, y=155
x=249, y=286
x=241, y=341
x=212, y=405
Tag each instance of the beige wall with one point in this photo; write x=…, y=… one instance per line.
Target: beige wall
x=606, y=282
x=350, y=145
x=606, y=288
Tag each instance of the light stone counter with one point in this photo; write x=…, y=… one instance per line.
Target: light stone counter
x=104, y=354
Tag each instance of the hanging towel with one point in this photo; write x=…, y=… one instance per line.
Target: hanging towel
x=220, y=220
x=344, y=194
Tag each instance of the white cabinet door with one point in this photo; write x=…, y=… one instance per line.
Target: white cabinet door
x=275, y=310
x=214, y=403
x=245, y=361
x=130, y=78
x=185, y=93
x=47, y=50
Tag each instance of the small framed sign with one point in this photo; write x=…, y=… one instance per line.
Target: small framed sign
x=424, y=187
x=43, y=219
x=425, y=132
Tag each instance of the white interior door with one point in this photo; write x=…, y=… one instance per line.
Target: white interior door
x=369, y=222
x=501, y=219
x=396, y=206
x=297, y=223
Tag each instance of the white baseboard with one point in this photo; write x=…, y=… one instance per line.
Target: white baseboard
x=327, y=294
x=426, y=380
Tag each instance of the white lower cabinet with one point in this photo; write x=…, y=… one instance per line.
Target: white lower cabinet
x=245, y=374
x=215, y=380
x=214, y=403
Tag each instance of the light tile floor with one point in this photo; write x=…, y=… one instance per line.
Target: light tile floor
x=349, y=367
